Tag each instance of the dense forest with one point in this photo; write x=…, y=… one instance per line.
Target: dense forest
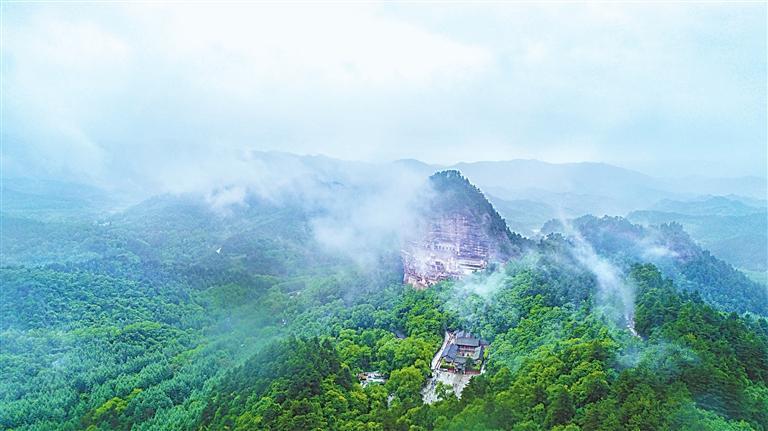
x=170, y=316
x=383, y=215
x=737, y=235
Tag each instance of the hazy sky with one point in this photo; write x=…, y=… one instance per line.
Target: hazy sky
x=127, y=91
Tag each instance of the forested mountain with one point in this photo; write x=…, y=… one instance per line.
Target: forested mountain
x=383, y=216
x=575, y=189
x=457, y=231
x=732, y=229
x=728, y=217
x=184, y=313
x=673, y=250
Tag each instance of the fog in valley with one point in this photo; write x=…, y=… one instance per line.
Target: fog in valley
x=383, y=216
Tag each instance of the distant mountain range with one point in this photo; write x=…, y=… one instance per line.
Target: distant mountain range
x=589, y=178
x=529, y=192
x=732, y=229
x=573, y=188
x=726, y=215
x=711, y=205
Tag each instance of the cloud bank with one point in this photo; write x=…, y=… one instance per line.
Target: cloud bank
x=151, y=96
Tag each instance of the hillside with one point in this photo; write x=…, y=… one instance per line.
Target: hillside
x=383, y=216
x=677, y=255
x=178, y=314
x=458, y=232
x=727, y=226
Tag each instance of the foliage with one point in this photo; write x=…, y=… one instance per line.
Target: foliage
x=147, y=327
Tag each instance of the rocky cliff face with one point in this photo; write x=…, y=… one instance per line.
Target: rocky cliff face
x=460, y=232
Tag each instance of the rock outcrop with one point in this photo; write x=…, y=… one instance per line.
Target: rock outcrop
x=460, y=232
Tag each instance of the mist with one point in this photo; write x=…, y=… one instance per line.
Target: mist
x=86, y=97
x=615, y=298
x=319, y=215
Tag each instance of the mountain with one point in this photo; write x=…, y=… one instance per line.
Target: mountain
x=749, y=187
x=670, y=248
x=571, y=190
x=734, y=229
x=524, y=216
x=741, y=240
x=459, y=232
x=711, y=205
x=557, y=177
x=526, y=179
x=252, y=307
x=55, y=200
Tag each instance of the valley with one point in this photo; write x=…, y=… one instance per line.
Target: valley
x=173, y=316
x=383, y=215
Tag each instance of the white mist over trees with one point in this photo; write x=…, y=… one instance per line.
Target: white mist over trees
x=269, y=216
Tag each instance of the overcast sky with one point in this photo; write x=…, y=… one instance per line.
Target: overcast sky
x=102, y=91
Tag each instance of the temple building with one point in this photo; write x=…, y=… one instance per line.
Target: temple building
x=463, y=354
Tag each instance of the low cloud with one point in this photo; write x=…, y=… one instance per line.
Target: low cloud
x=356, y=210
x=146, y=95
x=615, y=297
x=374, y=216
x=477, y=293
